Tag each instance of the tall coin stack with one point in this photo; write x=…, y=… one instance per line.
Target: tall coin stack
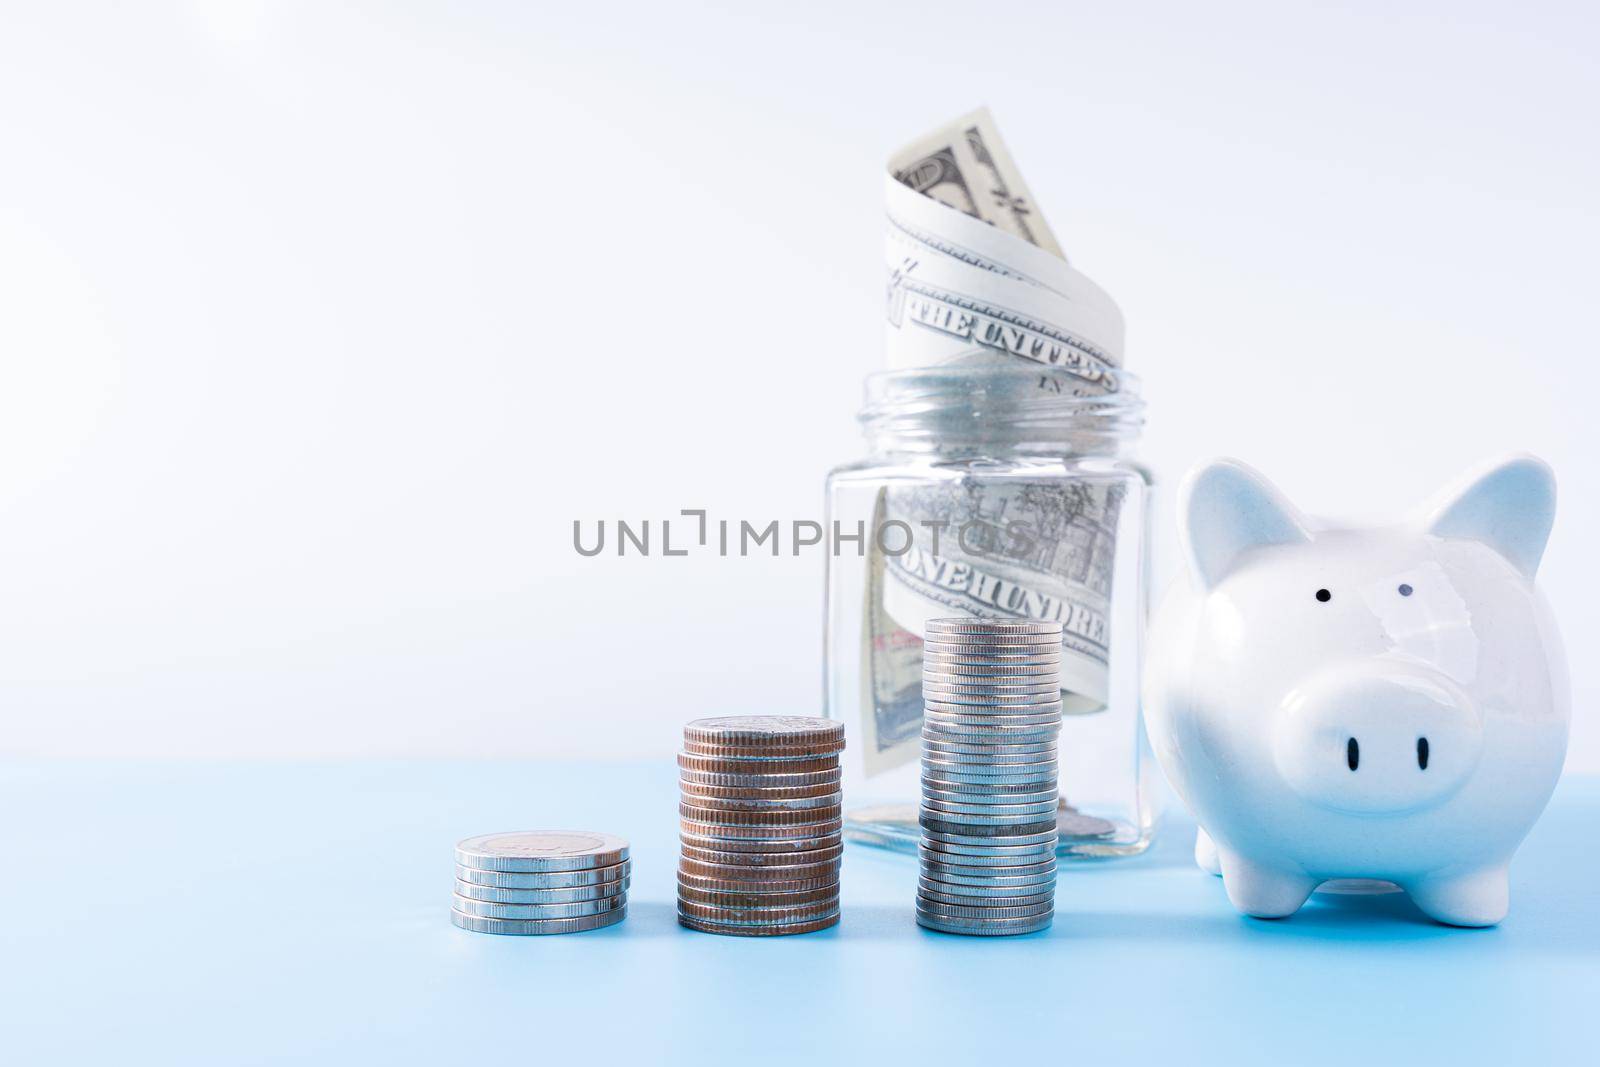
x=992, y=711
x=540, y=883
x=760, y=821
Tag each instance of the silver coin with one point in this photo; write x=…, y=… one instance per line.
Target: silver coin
x=956, y=832
x=996, y=637
x=939, y=654
x=759, y=929
x=1040, y=809
x=488, y=909
x=955, y=702
x=965, y=895
x=792, y=730
x=940, y=672
x=929, y=899
x=998, y=928
x=976, y=624
x=1044, y=776
x=977, y=826
x=776, y=780
x=1039, y=702
x=557, y=850
x=977, y=735
x=971, y=770
x=541, y=896
x=1000, y=735
x=1024, y=668
x=985, y=911
x=977, y=854
x=956, y=842
x=1081, y=827
x=1001, y=754
x=990, y=692
x=1005, y=641
x=942, y=652
x=757, y=794
x=748, y=804
x=984, y=876
x=545, y=879
x=1001, y=747
x=981, y=803
x=992, y=792
x=750, y=916
x=996, y=890
x=991, y=714
x=988, y=759
x=932, y=853
x=530, y=927
x=1030, y=647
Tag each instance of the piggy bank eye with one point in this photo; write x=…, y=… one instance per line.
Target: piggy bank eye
x=1405, y=590
x=1324, y=596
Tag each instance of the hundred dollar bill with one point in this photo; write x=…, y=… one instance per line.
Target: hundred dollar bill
x=977, y=278
x=973, y=270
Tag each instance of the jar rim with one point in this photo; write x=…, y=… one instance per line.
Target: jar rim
x=987, y=408
x=1031, y=386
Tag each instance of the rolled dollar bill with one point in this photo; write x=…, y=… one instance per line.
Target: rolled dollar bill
x=973, y=271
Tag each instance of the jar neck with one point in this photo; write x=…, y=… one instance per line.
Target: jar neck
x=950, y=413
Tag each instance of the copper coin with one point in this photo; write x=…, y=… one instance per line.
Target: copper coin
x=716, y=765
x=698, y=798
x=824, y=852
x=758, y=817
x=695, y=830
x=744, y=897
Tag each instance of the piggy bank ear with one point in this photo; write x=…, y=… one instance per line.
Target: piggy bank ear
x=1509, y=505
x=1225, y=509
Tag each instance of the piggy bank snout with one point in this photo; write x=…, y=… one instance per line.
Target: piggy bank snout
x=1377, y=740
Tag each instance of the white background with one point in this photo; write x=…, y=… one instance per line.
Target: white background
x=320, y=324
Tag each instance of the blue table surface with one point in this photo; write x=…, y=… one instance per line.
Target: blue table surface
x=268, y=913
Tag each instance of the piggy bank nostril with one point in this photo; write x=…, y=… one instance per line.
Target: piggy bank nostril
x=1422, y=753
x=1352, y=753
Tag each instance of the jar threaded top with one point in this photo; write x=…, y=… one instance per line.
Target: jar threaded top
x=987, y=410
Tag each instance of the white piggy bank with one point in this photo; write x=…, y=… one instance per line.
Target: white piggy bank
x=1384, y=703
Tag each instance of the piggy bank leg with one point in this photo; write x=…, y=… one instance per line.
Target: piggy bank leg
x=1263, y=892
x=1478, y=898
x=1205, y=852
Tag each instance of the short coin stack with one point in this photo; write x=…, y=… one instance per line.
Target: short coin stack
x=992, y=712
x=541, y=883
x=760, y=818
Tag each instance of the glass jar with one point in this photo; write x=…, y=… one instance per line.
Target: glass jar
x=994, y=492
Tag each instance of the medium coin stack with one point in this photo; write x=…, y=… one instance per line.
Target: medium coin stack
x=541, y=883
x=760, y=825
x=992, y=711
